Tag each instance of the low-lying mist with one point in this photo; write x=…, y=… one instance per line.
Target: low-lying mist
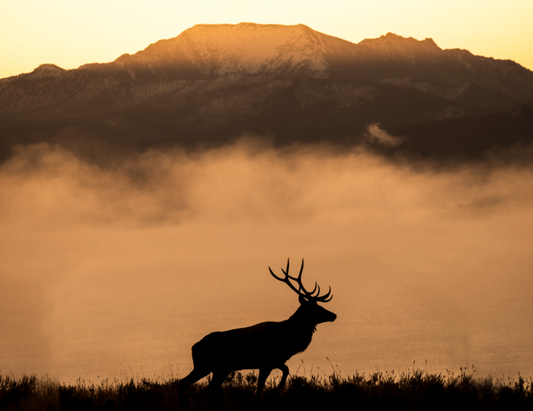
x=117, y=270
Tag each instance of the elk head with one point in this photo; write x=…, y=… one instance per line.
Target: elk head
x=309, y=312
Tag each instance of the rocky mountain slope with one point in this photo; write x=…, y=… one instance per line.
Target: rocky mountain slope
x=215, y=83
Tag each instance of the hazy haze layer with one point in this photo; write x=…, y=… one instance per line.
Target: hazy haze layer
x=107, y=271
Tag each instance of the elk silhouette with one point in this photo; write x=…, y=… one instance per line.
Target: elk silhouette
x=264, y=346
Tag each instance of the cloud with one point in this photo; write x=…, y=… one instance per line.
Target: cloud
x=375, y=133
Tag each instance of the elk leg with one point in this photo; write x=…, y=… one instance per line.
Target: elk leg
x=190, y=379
x=285, y=370
x=218, y=378
x=263, y=375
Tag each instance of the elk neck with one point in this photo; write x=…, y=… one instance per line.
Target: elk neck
x=302, y=321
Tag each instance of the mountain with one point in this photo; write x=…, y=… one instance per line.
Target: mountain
x=214, y=83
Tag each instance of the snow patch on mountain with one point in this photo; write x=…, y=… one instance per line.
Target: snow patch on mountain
x=248, y=48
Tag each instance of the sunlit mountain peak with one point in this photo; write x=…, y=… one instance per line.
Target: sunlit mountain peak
x=247, y=48
x=48, y=70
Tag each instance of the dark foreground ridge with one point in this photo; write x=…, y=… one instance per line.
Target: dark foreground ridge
x=412, y=390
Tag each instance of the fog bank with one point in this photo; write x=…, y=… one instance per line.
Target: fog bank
x=119, y=269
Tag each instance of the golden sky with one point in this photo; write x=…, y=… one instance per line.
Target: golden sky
x=70, y=34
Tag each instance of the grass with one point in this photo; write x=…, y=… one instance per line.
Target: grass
x=410, y=390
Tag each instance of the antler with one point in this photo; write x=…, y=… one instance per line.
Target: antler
x=306, y=294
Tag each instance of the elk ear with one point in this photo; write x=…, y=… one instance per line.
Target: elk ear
x=302, y=299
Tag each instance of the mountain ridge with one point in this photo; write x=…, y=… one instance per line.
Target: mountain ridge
x=214, y=83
